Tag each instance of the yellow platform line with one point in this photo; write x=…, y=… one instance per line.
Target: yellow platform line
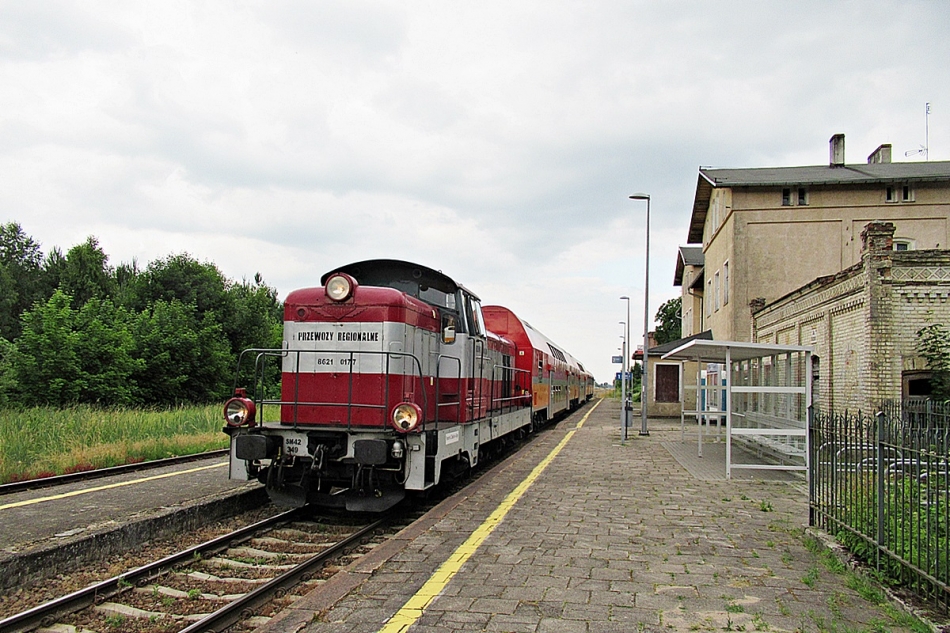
x=416, y=605
x=29, y=502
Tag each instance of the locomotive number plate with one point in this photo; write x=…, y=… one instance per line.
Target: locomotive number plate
x=294, y=446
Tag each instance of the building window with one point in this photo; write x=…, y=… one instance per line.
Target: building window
x=708, y=294
x=716, y=290
x=725, y=283
x=916, y=384
x=903, y=244
x=786, y=197
x=802, y=196
x=899, y=193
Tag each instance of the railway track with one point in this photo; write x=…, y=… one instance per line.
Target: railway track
x=205, y=588
x=221, y=584
x=85, y=475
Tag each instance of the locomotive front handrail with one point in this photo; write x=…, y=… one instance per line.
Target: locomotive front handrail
x=263, y=356
x=260, y=367
x=438, y=386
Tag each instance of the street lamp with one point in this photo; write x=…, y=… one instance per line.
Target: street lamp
x=625, y=368
x=623, y=384
x=646, y=320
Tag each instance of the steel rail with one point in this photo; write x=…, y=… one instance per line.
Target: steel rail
x=235, y=611
x=46, y=613
x=56, y=480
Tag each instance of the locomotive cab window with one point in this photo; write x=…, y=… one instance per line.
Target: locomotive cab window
x=472, y=313
x=479, y=319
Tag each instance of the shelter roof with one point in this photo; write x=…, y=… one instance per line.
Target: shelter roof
x=715, y=351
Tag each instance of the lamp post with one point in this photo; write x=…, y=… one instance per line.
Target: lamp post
x=646, y=320
x=623, y=385
x=625, y=368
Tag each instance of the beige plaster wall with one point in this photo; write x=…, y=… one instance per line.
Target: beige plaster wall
x=774, y=249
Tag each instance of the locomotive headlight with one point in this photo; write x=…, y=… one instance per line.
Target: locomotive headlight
x=239, y=411
x=340, y=287
x=406, y=416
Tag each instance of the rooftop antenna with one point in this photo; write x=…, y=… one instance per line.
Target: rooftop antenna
x=924, y=149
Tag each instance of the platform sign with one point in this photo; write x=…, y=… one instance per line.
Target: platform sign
x=616, y=359
x=629, y=376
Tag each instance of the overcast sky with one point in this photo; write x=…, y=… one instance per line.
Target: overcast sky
x=495, y=141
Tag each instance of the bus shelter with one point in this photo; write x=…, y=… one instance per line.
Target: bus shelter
x=762, y=392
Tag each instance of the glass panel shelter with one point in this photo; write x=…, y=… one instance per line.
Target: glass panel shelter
x=764, y=393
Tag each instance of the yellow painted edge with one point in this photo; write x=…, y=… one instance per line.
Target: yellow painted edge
x=413, y=609
x=29, y=502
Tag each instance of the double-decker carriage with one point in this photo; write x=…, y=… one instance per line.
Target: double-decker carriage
x=559, y=381
x=389, y=382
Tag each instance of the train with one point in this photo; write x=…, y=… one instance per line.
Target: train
x=391, y=378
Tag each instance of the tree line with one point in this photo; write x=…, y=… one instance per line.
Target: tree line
x=74, y=329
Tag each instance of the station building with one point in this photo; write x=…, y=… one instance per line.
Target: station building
x=777, y=255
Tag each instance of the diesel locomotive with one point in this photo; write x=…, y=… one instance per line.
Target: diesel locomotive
x=392, y=378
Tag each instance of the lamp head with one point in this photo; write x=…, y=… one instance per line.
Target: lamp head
x=640, y=196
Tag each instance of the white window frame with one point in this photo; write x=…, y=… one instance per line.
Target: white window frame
x=802, y=196
x=725, y=283
x=716, y=290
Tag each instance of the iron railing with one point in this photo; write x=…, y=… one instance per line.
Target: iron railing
x=879, y=483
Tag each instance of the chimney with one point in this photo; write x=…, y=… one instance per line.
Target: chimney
x=877, y=237
x=757, y=304
x=837, y=150
x=881, y=155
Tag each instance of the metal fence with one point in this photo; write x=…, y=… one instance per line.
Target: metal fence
x=879, y=483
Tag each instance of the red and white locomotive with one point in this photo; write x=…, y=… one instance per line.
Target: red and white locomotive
x=392, y=378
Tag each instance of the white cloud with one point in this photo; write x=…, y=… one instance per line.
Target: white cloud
x=495, y=141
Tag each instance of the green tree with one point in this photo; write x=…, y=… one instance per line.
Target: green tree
x=669, y=321
x=85, y=273
x=20, y=277
x=255, y=311
x=66, y=356
x=933, y=343
x=185, y=358
x=54, y=266
x=181, y=278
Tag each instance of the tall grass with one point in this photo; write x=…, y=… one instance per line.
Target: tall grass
x=44, y=441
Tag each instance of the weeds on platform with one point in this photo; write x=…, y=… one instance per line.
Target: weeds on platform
x=44, y=441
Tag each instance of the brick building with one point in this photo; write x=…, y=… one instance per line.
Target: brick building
x=862, y=322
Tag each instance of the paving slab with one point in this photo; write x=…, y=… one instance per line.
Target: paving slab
x=611, y=536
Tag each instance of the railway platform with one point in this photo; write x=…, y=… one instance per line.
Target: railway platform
x=95, y=518
x=579, y=531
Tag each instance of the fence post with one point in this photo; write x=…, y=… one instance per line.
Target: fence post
x=880, y=488
x=812, y=468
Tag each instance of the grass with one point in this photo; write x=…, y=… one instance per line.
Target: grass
x=861, y=584
x=43, y=441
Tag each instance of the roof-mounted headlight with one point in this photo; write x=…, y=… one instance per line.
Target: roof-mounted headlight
x=340, y=287
x=406, y=417
x=240, y=410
